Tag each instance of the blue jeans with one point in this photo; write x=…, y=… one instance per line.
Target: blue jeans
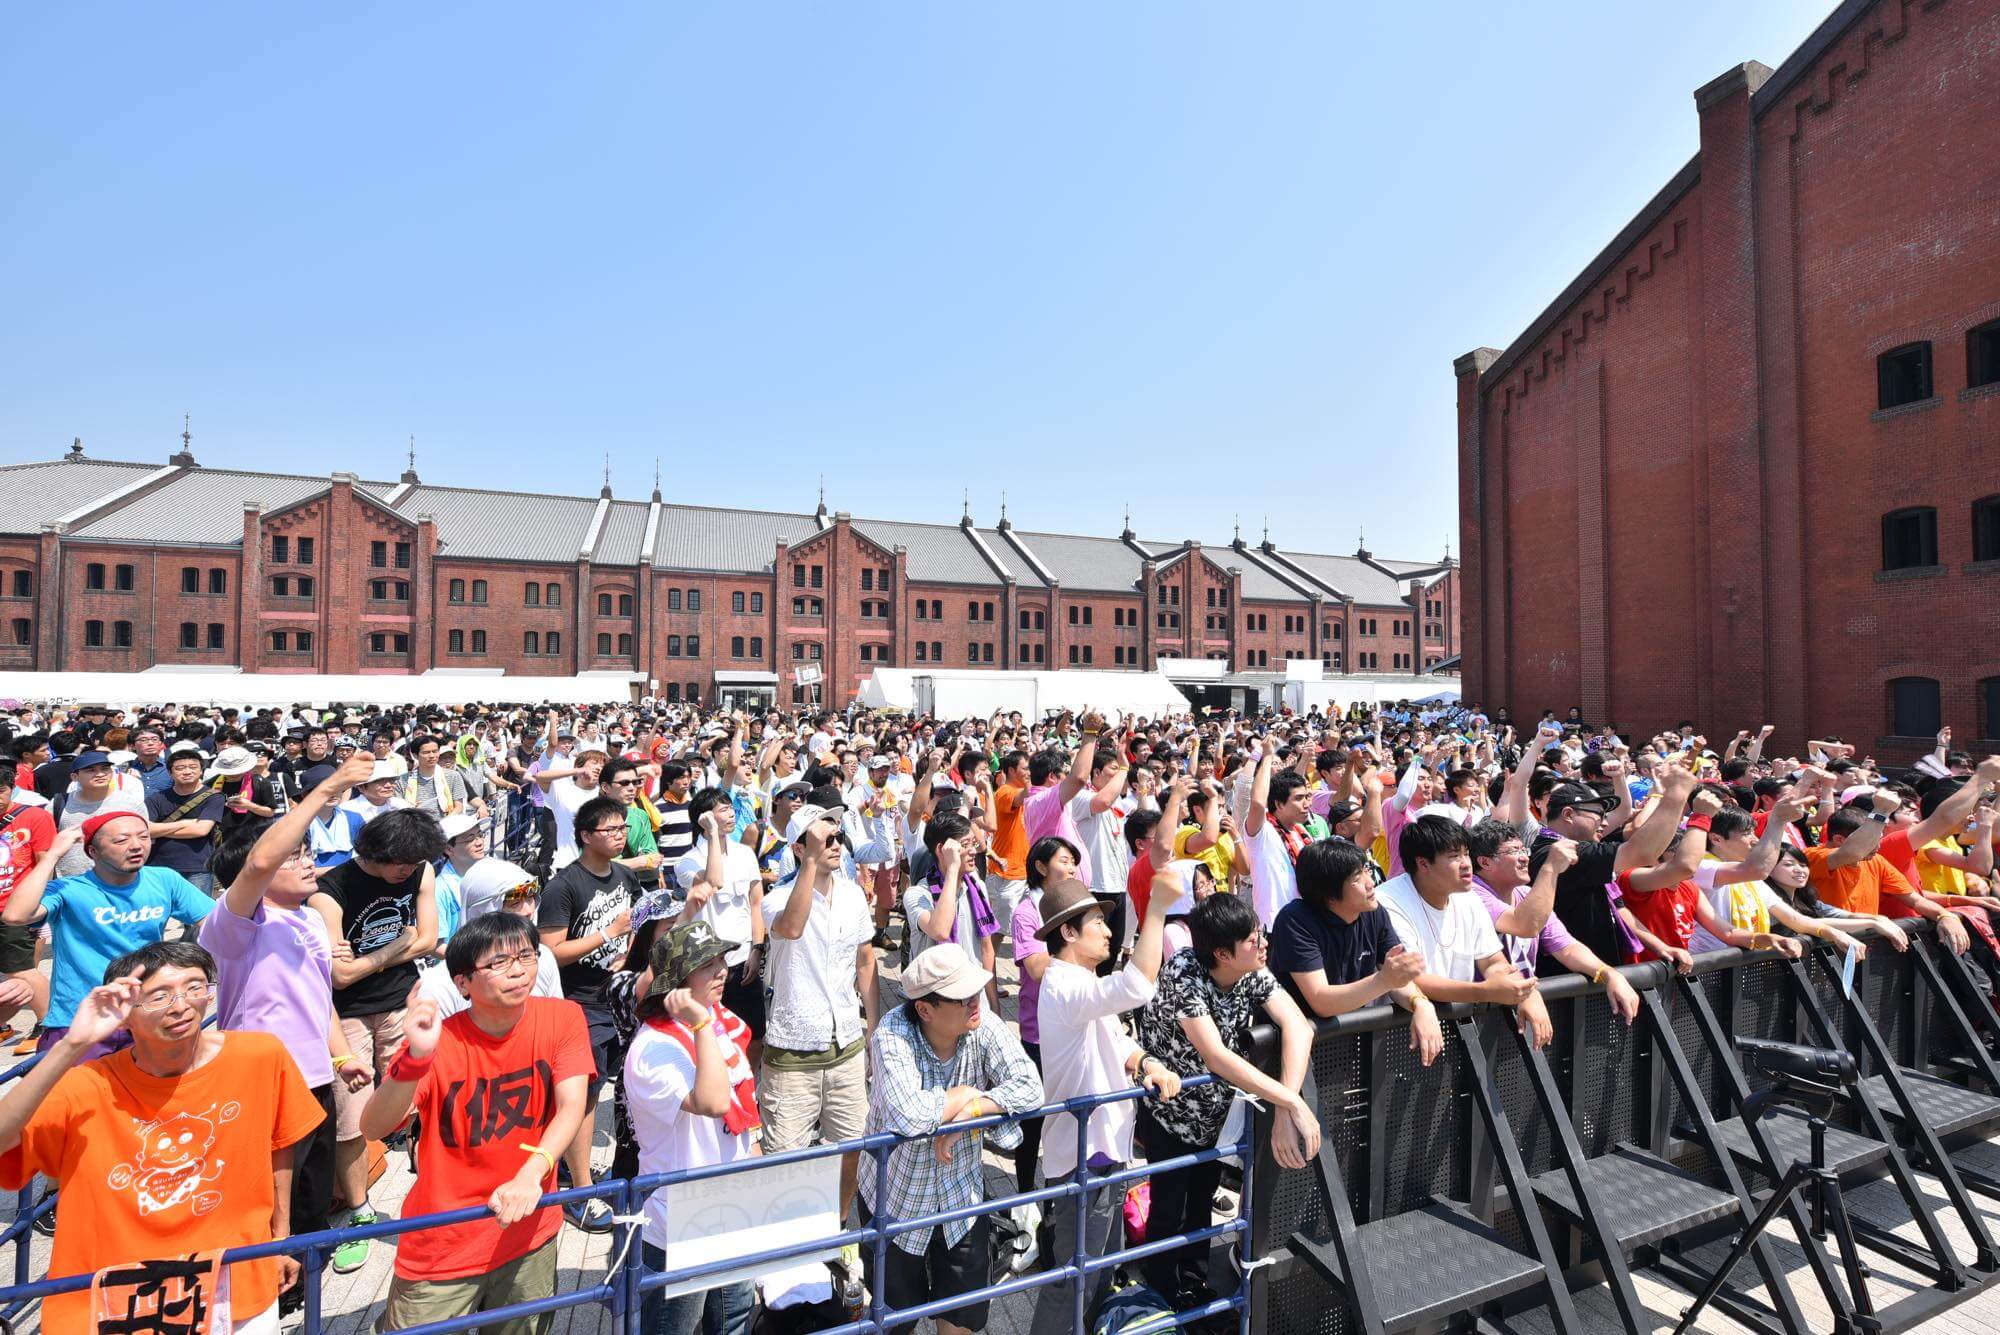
x=719, y=1311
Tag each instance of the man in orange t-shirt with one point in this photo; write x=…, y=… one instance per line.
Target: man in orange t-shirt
x=499, y=1092
x=181, y=1143
x=1007, y=857
x=1850, y=872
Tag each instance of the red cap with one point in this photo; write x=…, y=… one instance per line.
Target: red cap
x=104, y=818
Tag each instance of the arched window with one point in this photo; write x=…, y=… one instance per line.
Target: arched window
x=1916, y=707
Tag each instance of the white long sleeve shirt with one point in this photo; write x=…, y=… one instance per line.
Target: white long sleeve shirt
x=1084, y=1051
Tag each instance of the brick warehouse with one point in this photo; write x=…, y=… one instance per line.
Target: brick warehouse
x=1747, y=466
x=113, y=566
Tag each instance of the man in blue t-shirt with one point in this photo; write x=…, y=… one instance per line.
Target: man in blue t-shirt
x=117, y=906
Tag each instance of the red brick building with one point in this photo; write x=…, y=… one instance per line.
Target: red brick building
x=121, y=567
x=1747, y=466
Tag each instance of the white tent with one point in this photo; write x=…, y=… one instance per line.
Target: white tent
x=971, y=693
x=193, y=686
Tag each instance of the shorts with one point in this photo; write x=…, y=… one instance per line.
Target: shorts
x=17, y=946
x=746, y=999
x=834, y=1100
x=606, y=1052
x=940, y=1272
x=372, y=1038
x=885, y=881
x=418, y=1302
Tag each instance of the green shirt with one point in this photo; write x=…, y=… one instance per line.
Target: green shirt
x=639, y=832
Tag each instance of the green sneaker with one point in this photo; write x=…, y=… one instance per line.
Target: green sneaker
x=351, y=1256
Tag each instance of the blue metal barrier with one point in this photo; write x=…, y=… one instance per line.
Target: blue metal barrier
x=623, y=1290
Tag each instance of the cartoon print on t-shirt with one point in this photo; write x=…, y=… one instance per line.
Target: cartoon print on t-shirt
x=173, y=1161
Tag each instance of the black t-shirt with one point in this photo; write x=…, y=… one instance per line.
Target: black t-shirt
x=1304, y=938
x=261, y=793
x=582, y=904
x=373, y=912
x=52, y=777
x=1581, y=902
x=186, y=856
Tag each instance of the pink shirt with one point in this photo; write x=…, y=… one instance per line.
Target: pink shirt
x=1044, y=814
x=1028, y=921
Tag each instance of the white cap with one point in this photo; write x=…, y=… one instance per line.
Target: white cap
x=384, y=769
x=458, y=823
x=805, y=818
x=233, y=761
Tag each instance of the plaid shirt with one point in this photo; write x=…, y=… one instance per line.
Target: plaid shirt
x=908, y=1099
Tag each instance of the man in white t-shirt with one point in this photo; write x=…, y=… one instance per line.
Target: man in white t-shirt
x=566, y=795
x=1274, y=823
x=1732, y=878
x=1085, y=1050
x=1434, y=912
x=1097, y=812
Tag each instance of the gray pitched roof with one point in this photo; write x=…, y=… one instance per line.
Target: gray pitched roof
x=201, y=505
x=696, y=537
x=1103, y=565
x=1003, y=551
x=624, y=531
x=41, y=493
x=938, y=553
x=1257, y=581
x=1355, y=578
x=503, y=525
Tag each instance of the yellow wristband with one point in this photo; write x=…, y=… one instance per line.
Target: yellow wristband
x=1598, y=976
x=341, y=1061
x=546, y=1157
x=706, y=1020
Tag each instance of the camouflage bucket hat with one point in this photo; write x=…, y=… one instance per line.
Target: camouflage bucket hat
x=678, y=953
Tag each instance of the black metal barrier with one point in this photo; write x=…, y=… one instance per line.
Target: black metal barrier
x=1630, y=1149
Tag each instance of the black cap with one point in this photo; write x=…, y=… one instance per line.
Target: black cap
x=1576, y=797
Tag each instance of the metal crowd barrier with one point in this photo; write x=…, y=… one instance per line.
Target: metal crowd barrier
x=623, y=1289
x=1503, y=1178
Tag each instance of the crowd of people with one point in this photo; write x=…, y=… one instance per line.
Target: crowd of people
x=459, y=925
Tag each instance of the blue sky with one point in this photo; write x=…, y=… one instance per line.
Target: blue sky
x=1208, y=260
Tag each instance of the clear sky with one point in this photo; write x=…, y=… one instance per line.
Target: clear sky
x=1208, y=259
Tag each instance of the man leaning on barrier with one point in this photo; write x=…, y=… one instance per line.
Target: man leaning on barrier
x=498, y=1090
x=181, y=1143
x=936, y=1063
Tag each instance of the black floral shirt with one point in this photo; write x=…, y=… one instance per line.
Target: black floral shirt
x=1185, y=989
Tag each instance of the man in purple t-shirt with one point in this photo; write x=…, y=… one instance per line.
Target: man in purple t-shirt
x=1523, y=913
x=274, y=969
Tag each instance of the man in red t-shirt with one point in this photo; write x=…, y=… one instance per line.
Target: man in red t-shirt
x=25, y=834
x=499, y=1092
x=1663, y=904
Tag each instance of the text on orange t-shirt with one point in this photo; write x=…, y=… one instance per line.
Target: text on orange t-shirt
x=153, y=1167
x=481, y=1101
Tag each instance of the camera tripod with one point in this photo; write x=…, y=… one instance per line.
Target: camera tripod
x=1821, y=1186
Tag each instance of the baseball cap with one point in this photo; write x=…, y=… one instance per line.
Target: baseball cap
x=678, y=953
x=458, y=823
x=1341, y=811
x=944, y=971
x=804, y=819
x=796, y=788
x=89, y=758
x=1576, y=797
x=383, y=770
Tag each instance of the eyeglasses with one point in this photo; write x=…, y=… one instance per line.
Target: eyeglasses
x=194, y=994
x=607, y=829
x=527, y=959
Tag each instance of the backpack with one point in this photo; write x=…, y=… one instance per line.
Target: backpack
x=1133, y=1310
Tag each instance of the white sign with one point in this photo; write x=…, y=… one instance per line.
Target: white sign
x=807, y=675
x=753, y=1211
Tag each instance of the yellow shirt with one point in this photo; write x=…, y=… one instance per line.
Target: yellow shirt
x=1219, y=857
x=1939, y=879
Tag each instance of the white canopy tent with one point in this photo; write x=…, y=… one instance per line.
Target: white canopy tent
x=972, y=693
x=194, y=686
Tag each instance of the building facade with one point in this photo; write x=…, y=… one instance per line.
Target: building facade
x=1746, y=468
x=120, y=567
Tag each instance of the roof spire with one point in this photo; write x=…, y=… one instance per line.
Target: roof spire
x=822, y=491
x=1361, y=551
x=75, y=454
x=410, y=473
x=184, y=458
x=1267, y=530
x=1003, y=507
x=606, y=493
x=965, y=505
x=1238, y=535
x=656, y=479
x=1127, y=534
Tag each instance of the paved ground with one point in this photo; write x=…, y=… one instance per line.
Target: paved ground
x=353, y=1301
